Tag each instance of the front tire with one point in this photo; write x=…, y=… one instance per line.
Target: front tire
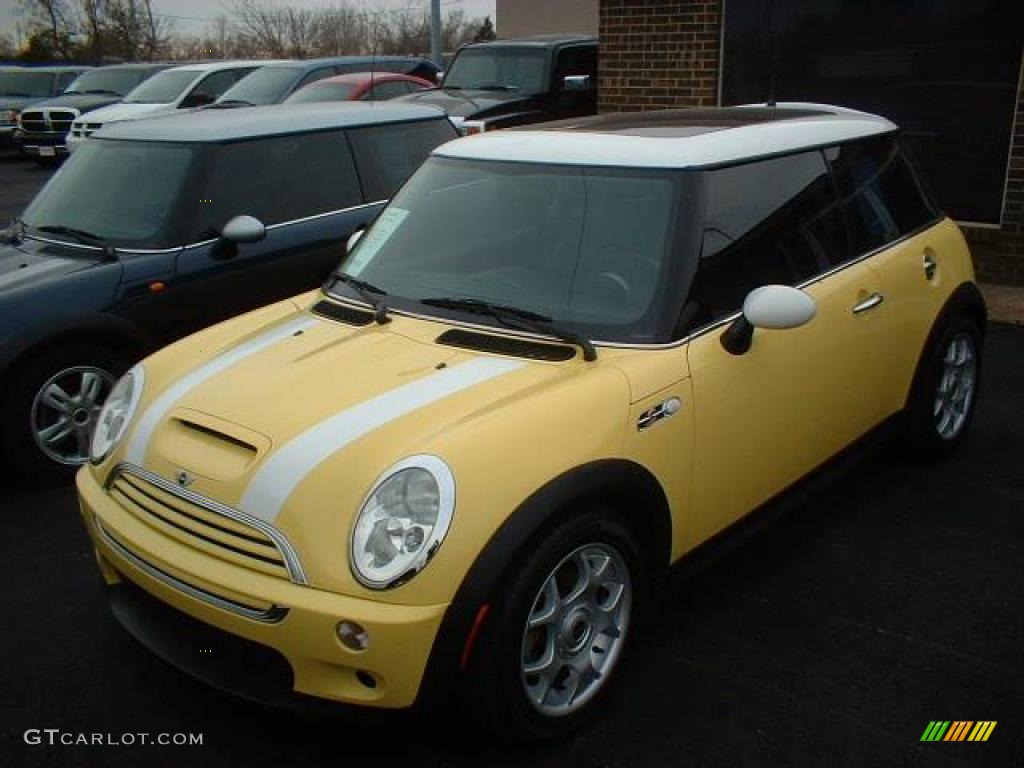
x=560, y=629
x=944, y=398
x=51, y=406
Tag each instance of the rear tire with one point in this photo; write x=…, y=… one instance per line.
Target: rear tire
x=944, y=397
x=51, y=405
x=578, y=586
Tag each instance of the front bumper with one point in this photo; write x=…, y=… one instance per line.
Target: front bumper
x=291, y=623
x=43, y=144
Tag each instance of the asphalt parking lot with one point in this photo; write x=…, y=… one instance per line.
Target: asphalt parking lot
x=890, y=598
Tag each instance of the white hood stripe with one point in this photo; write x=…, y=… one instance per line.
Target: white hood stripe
x=158, y=409
x=274, y=482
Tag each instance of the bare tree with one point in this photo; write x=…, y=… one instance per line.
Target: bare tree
x=57, y=18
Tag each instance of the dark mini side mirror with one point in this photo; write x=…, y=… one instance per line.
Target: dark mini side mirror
x=353, y=239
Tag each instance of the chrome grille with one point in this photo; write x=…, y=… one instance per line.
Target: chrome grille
x=55, y=121
x=203, y=524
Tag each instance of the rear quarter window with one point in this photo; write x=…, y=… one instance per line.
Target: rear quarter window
x=279, y=179
x=882, y=197
x=387, y=155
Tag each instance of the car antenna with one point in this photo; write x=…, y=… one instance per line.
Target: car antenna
x=773, y=58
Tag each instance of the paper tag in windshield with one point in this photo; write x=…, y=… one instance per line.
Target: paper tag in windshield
x=374, y=240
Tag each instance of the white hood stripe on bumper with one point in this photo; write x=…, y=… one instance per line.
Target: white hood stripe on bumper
x=274, y=482
x=148, y=422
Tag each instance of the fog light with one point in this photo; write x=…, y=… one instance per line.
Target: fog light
x=353, y=636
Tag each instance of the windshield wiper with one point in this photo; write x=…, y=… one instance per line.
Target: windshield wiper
x=496, y=87
x=18, y=93
x=366, y=291
x=100, y=91
x=515, y=317
x=230, y=104
x=86, y=238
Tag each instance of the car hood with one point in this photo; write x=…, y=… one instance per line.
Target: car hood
x=83, y=102
x=32, y=264
x=123, y=111
x=471, y=104
x=17, y=102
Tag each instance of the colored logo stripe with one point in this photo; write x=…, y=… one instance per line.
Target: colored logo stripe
x=958, y=730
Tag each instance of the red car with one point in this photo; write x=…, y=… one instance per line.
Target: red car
x=360, y=86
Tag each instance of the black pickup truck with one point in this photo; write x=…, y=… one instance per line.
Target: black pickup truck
x=515, y=82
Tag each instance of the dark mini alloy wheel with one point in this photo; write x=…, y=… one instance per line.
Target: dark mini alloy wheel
x=559, y=629
x=51, y=406
x=945, y=397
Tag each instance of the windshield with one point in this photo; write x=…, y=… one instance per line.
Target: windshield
x=591, y=248
x=520, y=69
x=26, y=84
x=267, y=85
x=322, y=92
x=122, y=192
x=162, y=88
x=115, y=81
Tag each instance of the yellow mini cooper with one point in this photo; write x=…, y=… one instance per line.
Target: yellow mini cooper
x=560, y=360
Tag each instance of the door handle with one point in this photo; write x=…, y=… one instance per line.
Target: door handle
x=870, y=302
x=930, y=265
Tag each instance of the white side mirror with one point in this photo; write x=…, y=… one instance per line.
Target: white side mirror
x=353, y=239
x=778, y=307
x=773, y=307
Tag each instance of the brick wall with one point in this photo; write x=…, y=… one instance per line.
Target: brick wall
x=999, y=253
x=658, y=53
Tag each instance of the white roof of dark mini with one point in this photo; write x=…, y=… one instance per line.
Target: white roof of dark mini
x=214, y=125
x=676, y=138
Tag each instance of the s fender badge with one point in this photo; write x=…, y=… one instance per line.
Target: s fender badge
x=652, y=416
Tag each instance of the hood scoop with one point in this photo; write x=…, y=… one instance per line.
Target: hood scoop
x=209, y=447
x=342, y=313
x=506, y=345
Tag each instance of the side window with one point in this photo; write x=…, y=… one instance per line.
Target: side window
x=771, y=221
x=279, y=179
x=387, y=155
x=880, y=194
x=209, y=88
x=316, y=74
x=580, y=60
x=64, y=79
x=389, y=90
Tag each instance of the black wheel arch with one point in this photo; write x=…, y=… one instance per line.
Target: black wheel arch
x=619, y=484
x=114, y=333
x=967, y=300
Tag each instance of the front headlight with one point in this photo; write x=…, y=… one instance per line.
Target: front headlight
x=402, y=522
x=117, y=414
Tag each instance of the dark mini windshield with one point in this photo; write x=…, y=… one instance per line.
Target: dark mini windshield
x=104, y=80
x=594, y=249
x=500, y=69
x=123, y=192
x=267, y=85
x=26, y=84
x=162, y=88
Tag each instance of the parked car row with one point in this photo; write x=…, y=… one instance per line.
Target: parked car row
x=447, y=466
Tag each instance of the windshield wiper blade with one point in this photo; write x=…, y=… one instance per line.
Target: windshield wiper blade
x=516, y=317
x=230, y=104
x=101, y=91
x=86, y=238
x=496, y=87
x=365, y=291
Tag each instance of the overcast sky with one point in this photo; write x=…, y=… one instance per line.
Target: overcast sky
x=191, y=16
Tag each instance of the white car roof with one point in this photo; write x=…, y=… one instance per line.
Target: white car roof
x=213, y=66
x=678, y=138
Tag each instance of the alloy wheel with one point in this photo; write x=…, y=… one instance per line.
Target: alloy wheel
x=65, y=411
x=576, y=629
x=954, y=395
